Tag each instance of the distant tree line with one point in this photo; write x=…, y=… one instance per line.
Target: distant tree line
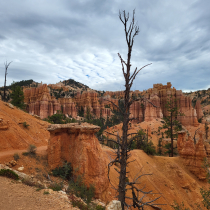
x=21, y=83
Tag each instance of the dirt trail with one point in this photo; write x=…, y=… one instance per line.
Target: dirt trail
x=12, y=152
x=17, y=196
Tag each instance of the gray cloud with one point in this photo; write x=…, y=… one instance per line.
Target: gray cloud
x=53, y=41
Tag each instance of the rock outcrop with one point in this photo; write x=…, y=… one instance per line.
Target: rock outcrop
x=40, y=102
x=154, y=105
x=114, y=205
x=89, y=100
x=3, y=124
x=77, y=144
x=115, y=94
x=192, y=154
x=68, y=106
x=199, y=109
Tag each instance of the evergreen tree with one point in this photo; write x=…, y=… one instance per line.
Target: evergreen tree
x=17, y=97
x=171, y=123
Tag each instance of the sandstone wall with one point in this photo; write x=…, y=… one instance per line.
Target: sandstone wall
x=40, y=102
x=77, y=144
x=115, y=94
x=90, y=100
x=198, y=109
x=193, y=154
x=154, y=105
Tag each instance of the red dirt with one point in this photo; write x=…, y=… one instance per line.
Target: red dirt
x=17, y=136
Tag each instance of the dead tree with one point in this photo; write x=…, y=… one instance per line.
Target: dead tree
x=124, y=143
x=6, y=67
x=206, y=129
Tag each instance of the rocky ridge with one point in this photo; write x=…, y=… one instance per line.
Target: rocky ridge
x=203, y=96
x=154, y=105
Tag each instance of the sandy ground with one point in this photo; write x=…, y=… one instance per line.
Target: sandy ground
x=4, y=154
x=17, y=196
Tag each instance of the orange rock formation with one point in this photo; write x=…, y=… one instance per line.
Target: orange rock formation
x=193, y=155
x=115, y=94
x=39, y=102
x=90, y=100
x=198, y=109
x=158, y=96
x=68, y=106
x=77, y=144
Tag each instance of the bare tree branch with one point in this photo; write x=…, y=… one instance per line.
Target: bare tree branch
x=6, y=65
x=114, y=105
x=122, y=152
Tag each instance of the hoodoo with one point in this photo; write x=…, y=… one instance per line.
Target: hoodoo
x=78, y=145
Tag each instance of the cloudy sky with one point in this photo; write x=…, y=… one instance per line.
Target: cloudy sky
x=54, y=40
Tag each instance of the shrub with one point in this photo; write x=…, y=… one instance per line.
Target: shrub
x=9, y=173
x=99, y=207
x=177, y=206
x=56, y=118
x=65, y=172
x=25, y=153
x=28, y=182
x=59, y=118
x=79, y=204
x=46, y=193
x=31, y=183
x=56, y=186
x=32, y=149
x=25, y=125
x=149, y=148
x=16, y=156
x=81, y=190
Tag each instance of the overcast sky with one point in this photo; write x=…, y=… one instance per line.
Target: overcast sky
x=54, y=40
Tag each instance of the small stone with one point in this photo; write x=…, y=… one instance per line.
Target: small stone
x=20, y=168
x=13, y=162
x=10, y=106
x=114, y=205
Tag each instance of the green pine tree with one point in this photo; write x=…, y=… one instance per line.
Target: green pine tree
x=171, y=123
x=17, y=97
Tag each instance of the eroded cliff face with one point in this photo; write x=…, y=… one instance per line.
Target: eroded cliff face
x=77, y=144
x=154, y=105
x=40, y=102
x=90, y=100
x=194, y=154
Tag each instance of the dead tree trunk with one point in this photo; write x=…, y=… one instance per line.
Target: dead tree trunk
x=123, y=143
x=6, y=67
x=131, y=30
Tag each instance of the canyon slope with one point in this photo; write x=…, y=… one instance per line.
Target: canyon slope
x=13, y=134
x=170, y=178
